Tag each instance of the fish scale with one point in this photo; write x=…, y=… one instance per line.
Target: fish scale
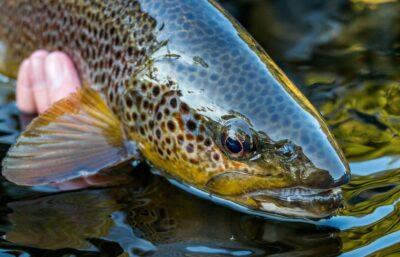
x=96, y=34
x=181, y=81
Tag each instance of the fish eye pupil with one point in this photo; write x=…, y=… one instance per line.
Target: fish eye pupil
x=237, y=139
x=233, y=145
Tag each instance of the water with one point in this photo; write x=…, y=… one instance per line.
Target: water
x=345, y=55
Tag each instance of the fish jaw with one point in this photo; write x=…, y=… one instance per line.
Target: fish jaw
x=282, y=196
x=281, y=180
x=295, y=202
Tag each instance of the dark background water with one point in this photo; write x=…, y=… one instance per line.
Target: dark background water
x=345, y=56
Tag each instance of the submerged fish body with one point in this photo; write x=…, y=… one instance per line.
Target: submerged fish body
x=181, y=85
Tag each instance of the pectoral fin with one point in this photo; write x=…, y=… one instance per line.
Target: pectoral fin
x=78, y=136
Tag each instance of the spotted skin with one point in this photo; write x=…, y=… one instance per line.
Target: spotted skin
x=172, y=134
x=232, y=76
x=175, y=73
x=97, y=45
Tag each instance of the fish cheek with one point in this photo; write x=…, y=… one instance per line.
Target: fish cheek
x=171, y=136
x=197, y=158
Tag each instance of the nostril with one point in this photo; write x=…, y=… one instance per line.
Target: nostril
x=288, y=150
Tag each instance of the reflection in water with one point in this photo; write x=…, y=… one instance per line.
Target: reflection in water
x=156, y=217
x=345, y=56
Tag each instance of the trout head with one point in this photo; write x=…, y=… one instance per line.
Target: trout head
x=281, y=159
x=229, y=122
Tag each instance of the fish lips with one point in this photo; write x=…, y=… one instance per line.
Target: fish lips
x=256, y=192
x=298, y=202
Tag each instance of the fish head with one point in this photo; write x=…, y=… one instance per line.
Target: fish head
x=239, y=128
x=279, y=155
x=298, y=178
x=264, y=147
x=275, y=155
x=282, y=160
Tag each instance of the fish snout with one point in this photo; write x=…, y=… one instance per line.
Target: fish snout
x=325, y=169
x=322, y=179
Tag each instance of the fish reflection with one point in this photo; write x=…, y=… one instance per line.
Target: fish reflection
x=154, y=217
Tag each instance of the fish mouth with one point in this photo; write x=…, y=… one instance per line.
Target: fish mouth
x=298, y=202
x=257, y=193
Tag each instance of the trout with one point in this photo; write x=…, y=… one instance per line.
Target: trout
x=179, y=85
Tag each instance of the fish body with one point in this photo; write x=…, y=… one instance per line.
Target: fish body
x=181, y=85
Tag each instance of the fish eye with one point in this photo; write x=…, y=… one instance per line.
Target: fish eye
x=237, y=139
x=233, y=145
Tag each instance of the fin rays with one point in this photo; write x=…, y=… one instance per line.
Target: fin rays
x=78, y=136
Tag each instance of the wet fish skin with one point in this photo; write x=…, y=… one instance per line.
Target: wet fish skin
x=180, y=76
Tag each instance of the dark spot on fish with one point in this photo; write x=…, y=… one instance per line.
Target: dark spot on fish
x=142, y=131
x=117, y=69
x=158, y=134
x=228, y=97
x=162, y=101
x=279, y=98
x=193, y=161
x=274, y=118
x=181, y=139
x=190, y=148
x=171, y=126
x=200, y=138
x=191, y=125
x=129, y=102
x=184, y=108
x=145, y=104
x=111, y=96
x=207, y=142
x=130, y=50
x=128, y=117
x=138, y=101
x=184, y=157
x=305, y=139
x=189, y=137
x=214, y=77
x=156, y=91
x=202, y=128
x=296, y=125
x=173, y=103
x=216, y=157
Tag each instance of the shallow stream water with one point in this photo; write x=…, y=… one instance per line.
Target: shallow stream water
x=345, y=56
